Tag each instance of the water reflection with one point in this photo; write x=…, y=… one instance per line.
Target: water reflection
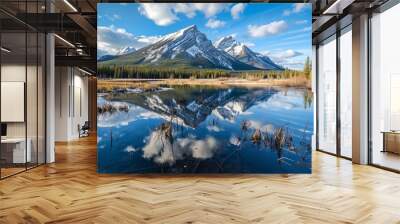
x=206, y=129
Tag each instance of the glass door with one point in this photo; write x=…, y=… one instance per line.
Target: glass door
x=385, y=89
x=326, y=96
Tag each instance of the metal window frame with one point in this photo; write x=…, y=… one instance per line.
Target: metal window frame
x=44, y=75
x=387, y=5
x=381, y=9
x=338, y=33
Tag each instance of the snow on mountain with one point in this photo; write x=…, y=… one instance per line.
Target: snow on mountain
x=125, y=50
x=106, y=57
x=244, y=54
x=188, y=47
x=122, y=51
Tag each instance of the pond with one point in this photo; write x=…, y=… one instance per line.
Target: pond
x=205, y=129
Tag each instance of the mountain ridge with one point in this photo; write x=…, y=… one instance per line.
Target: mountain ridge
x=186, y=48
x=244, y=54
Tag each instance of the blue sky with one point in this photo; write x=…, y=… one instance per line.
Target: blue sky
x=281, y=31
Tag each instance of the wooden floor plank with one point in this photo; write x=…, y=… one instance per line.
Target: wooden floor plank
x=70, y=191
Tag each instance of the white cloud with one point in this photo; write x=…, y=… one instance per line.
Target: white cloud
x=287, y=58
x=297, y=7
x=287, y=12
x=290, y=54
x=113, y=17
x=267, y=29
x=162, y=151
x=249, y=44
x=186, y=9
x=130, y=148
x=210, y=9
x=215, y=23
x=161, y=14
x=237, y=9
x=111, y=39
x=301, y=21
x=116, y=16
x=167, y=14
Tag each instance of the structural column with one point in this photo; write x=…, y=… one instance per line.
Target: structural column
x=50, y=98
x=360, y=89
x=314, y=90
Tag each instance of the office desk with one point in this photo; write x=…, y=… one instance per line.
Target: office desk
x=15, y=148
x=391, y=141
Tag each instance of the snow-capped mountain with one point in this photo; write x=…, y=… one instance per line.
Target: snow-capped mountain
x=106, y=57
x=193, y=107
x=126, y=50
x=244, y=54
x=122, y=51
x=187, y=47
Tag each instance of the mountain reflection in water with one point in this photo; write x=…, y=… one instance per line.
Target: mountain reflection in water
x=203, y=129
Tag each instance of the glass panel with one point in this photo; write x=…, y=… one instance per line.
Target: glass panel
x=346, y=92
x=385, y=83
x=13, y=86
x=327, y=96
x=23, y=82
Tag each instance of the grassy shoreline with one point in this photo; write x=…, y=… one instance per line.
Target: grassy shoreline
x=109, y=84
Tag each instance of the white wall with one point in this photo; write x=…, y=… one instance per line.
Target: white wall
x=12, y=73
x=71, y=102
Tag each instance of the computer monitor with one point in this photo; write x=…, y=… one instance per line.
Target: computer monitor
x=3, y=130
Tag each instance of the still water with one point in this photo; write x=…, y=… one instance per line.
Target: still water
x=204, y=129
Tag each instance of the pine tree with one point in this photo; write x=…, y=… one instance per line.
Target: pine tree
x=307, y=68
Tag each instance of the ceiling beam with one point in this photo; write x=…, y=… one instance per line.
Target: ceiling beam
x=78, y=61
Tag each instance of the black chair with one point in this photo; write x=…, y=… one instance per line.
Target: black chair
x=84, y=130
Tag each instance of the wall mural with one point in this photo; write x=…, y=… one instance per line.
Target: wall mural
x=204, y=88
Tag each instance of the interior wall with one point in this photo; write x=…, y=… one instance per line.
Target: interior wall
x=14, y=73
x=314, y=90
x=71, y=102
x=92, y=98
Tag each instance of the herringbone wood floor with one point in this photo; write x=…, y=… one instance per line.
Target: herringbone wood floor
x=70, y=191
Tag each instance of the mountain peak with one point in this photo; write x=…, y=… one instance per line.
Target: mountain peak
x=187, y=47
x=191, y=27
x=244, y=54
x=181, y=32
x=126, y=50
x=226, y=42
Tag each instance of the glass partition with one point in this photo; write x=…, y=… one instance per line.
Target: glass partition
x=327, y=95
x=22, y=88
x=385, y=89
x=13, y=92
x=346, y=92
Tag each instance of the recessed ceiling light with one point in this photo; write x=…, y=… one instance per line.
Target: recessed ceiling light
x=84, y=71
x=64, y=40
x=70, y=5
x=5, y=50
